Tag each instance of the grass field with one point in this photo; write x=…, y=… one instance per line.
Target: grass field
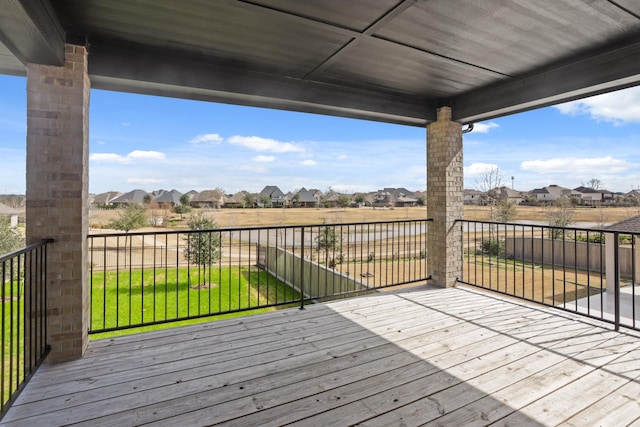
x=144, y=296
x=297, y=216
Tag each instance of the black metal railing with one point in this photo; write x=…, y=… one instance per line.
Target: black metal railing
x=593, y=272
x=24, y=318
x=140, y=279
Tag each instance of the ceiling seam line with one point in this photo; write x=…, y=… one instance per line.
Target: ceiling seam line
x=619, y=6
x=378, y=23
x=448, y=58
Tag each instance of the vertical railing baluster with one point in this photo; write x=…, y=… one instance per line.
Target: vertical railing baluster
x=302, y=268
x=616, y=257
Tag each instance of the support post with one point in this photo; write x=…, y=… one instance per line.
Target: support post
x=57, y=192
x=444, y=199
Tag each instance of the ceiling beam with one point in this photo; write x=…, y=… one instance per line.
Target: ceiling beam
x=143, y=71
x=607, y=71
x=31, y=31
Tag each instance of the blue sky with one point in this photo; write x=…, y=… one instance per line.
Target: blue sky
x=151, y=143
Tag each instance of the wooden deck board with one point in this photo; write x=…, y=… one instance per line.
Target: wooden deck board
x=414, y=357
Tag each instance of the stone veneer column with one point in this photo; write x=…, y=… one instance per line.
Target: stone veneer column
x=57, y=191
x=444, y=199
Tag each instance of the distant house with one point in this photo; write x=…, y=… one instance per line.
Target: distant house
x=398, y=197
x=590, y=196
x=552, y=193
x=135, y=196
x=383, y=199
x=105, y=199
x=190, y=194
x=171, y=198
x=512, y=196
x=308, y=198
x=238, y=200
x=632, y=198
x=472, y=197
x=276, y=197
x=208, y=199
x=335, y=199
x=11, y=213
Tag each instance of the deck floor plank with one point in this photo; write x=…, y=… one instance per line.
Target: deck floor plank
x=412, y=357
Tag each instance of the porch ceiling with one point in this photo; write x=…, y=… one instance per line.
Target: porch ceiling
x=385, y=60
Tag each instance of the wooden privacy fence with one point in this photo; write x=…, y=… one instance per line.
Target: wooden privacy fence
x=569, y=253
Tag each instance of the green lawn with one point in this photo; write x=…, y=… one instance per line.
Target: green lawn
x=13, y=338
x=142, y=297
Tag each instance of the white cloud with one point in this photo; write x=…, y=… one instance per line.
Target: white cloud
x=308, y=163
x=255, y=169
x=208, y=138
x=134, y=155
x=264, y=159
x=342, y=157
x=109, y=157
x=477, y=169
x=577, y=165
x=125, y=124
x=265, y=144
x=615, y=107
x=143, y=181
x=146, y=155
x=484, y=127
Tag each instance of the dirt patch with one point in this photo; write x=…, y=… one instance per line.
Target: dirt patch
x=202, y=286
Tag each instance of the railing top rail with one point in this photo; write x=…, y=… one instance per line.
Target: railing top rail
x=269, y=227
x=26, y=249
x=551, y=227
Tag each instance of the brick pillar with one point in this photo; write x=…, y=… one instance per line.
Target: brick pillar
x=57, y=190
x=444, y=199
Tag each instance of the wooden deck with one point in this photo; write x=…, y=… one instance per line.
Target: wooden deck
x=450, y=357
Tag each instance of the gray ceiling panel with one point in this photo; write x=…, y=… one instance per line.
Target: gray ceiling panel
x=510, y=37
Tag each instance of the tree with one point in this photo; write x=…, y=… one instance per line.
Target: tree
x=182, y=209
x=13, y=201
x=327, y=241
x=359, y=198
x=265, y=200
x=343, y=200
x=203, y=243
x=184, y=206
x=146, y=199
x=10, y=238
x=132, y=217
x=505, y=211
x=559, y=215
x=489, y=183
x=249, y=200
x=422, y=200
x=593, y=183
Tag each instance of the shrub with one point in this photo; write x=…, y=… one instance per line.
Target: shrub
x=493, y=247
x=591, y=238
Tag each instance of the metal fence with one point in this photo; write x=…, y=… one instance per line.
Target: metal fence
x=140, y=279
x=24, y=318
x=585, y=271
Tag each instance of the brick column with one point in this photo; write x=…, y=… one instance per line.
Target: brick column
x=444, y=199
x=57, y=190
